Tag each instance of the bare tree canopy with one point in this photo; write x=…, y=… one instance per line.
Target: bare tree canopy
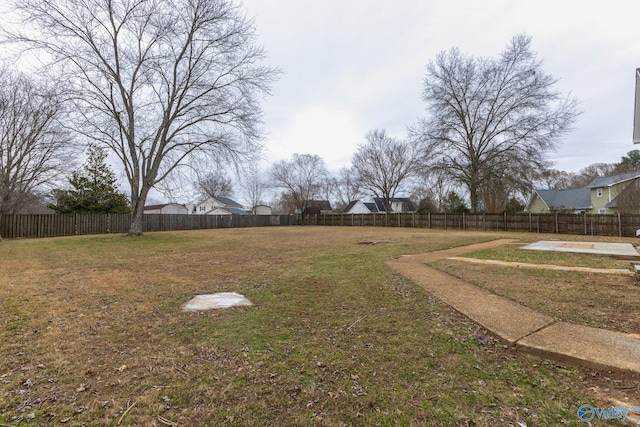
x=253, y=188
x=489, y=115
x=215, y=184
x=384, y=163
x=34, y=147
x=301, y=178
x=160, y=83
x=347, y=188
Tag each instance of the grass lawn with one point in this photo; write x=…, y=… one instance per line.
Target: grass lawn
x=92, y=333
x=607, y=301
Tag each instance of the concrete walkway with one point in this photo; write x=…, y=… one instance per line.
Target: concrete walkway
x=516, y=324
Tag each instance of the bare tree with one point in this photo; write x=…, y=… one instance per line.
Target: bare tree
x=301, y=178
x=491, y=114
x=253, y=188
x=593, y=171
x=384, y=163
x=163, y=84
x=34, y=147
x=512, y=180
x=554, y=179
x=215, y=184
x=347, y=188
x=628, y=201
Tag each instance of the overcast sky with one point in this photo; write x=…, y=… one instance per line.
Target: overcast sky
x=351, y=66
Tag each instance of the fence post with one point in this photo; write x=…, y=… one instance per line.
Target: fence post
x=429, y=219
x=619, y=225
x=505, y=221
x=445, y=220
x=557, y=226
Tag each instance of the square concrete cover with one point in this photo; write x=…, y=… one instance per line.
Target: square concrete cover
x=215, y=301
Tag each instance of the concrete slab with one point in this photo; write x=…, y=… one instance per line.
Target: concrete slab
x=591, y=346
x=216, y=301
x=598, y=248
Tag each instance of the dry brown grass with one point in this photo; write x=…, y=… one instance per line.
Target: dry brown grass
x=609, y=301
x=92, y=333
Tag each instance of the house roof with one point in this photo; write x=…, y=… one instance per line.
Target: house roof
x=228, y=202
x=153, y=207
x=608, y=181
x=323, y=205
x=371, y=206
x=578, y=198
x=408, y=204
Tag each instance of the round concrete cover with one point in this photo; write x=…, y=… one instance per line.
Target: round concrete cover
x=214, y=301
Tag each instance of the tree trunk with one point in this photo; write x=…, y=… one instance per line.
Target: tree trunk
x=138, y=212
x=136, y=221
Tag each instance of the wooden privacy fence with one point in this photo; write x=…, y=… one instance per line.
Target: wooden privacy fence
x=30, y=226
x=584, y=224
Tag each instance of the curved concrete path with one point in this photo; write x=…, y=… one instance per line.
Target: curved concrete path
x=516, y=324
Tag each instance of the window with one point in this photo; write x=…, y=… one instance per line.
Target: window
x=202, y=208
x=599, y=192
x=602, y=211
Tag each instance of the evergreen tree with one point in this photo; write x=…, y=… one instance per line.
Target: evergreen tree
x=453, y=203
x=94, y=189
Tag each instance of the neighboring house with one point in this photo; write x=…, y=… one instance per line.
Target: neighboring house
x=316, y=207
x=576, y=200
x=207, y=206
x=262, y=210
x=605, y=195
x=30, y=204
x=360, y=207
x=167, y=208
x=398, y=204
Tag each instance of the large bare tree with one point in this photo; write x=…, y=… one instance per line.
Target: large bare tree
x=384, y=163
x=302, y=178
x=162, y=83
x=491, y=114
x=35, y=148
